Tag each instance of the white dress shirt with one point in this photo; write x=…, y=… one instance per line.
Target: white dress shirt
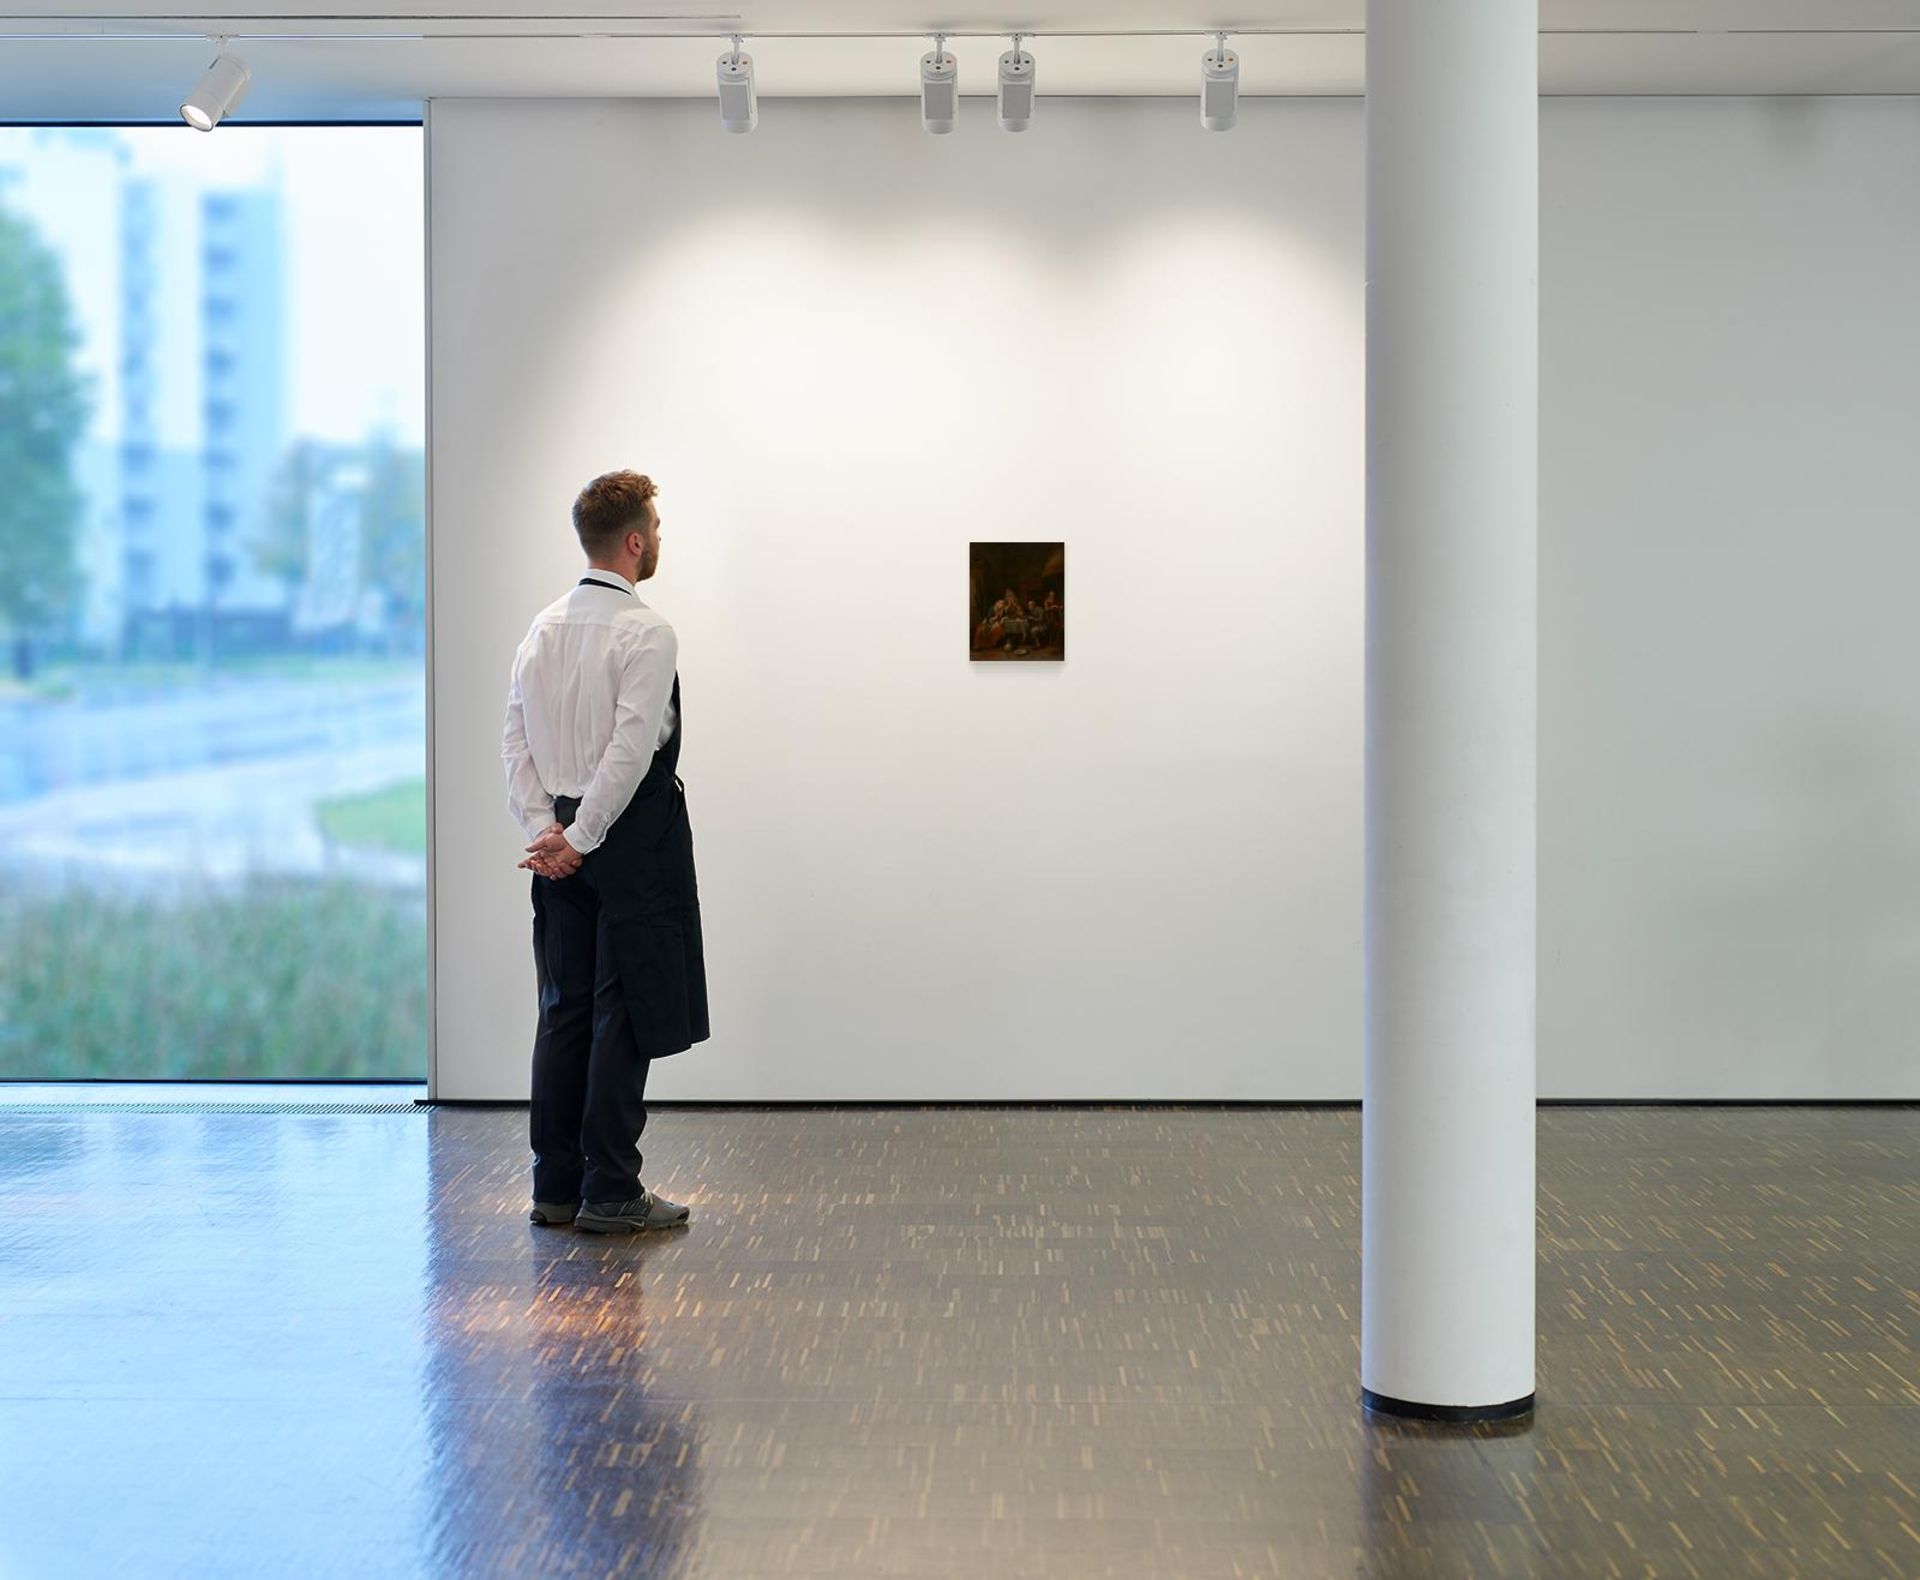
x=590, y=702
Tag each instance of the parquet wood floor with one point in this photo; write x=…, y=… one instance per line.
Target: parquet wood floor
x=944, y=1343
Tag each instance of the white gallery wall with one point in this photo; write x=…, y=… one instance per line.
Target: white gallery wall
x=845, y=349
x=1730, y=598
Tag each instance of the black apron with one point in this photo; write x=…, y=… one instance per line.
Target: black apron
x=650, y=905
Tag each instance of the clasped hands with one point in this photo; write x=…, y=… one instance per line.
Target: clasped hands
x=551, y=856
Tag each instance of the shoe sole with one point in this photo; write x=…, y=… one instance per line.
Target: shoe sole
x=623, y=1225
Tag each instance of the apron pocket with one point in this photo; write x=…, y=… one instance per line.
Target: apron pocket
x=651, y=953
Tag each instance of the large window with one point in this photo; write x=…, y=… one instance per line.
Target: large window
x=212, y=603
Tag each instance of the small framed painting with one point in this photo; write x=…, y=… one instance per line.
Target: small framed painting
x=1017, y=603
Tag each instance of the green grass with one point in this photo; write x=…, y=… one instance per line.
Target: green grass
x=282, y=980
x=391, y=819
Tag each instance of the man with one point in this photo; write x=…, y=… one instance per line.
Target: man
x=591, y=744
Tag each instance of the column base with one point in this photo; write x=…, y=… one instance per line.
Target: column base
x=1381, y=1404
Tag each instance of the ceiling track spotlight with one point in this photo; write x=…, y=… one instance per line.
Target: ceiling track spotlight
x=1219, y=86
x=939, y=88
x=739, y=105
x=218, y=92
x=1016, y=88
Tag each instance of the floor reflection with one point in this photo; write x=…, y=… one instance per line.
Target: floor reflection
x=972, y=1345
x=210, y=1344
x=1438, y=1498
x=556, y=1448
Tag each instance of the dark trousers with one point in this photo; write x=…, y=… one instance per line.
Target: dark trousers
x=589, y=1077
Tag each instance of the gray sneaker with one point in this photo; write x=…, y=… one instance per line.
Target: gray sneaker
x=645, y=1211
x=554, y=1214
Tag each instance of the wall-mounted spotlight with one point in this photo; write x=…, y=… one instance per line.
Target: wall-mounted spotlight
x=1219, y=86
x=739, y=106
x=220, y=89
x=1016, y=88
x=939, y=88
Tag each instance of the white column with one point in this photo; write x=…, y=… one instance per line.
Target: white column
x=1447, y=1178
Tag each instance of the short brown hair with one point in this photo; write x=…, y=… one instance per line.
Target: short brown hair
x=611, y=506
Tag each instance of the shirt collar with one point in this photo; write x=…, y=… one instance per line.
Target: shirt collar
x=611, y=579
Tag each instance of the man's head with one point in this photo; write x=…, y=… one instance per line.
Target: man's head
x=619, y=524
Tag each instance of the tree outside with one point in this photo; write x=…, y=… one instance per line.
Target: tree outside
x=44, y=404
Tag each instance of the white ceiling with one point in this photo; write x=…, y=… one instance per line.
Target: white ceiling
x=378, y=59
